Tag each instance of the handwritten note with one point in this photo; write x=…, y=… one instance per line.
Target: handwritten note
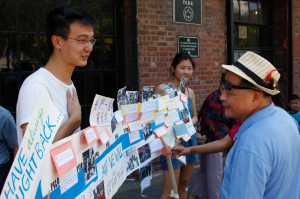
x=130, y=109
x=118, y=116
x=168, y=121
x=91, y=135
x=186, y=137
x=191, y=129
x=104, y=136
x=155, y=145
x=134, y=126
x=67, y=182
x=149, y=106
x=131, y=118
x=101, y=111
x=146, y=182
x=183, y=98
x=162, y=104
x=64, y=158
x=159, y=119
x=169, y=138
x=175, y=117
x=148, y=117
x=161, y=131
x=171, y=105
x=134, y=136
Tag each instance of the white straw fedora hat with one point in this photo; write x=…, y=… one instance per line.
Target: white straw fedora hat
x=257, y=70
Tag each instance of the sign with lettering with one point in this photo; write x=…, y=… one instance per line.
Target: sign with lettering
x=188, y=45
x=40, y=132
x=187, y=12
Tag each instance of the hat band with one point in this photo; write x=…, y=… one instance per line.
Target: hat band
x=250, y=74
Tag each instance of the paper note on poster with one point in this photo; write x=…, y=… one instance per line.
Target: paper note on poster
x=101, y=111
x=39, y=135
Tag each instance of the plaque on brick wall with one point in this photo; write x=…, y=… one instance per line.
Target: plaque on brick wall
x=187, y=12
x=188, y=45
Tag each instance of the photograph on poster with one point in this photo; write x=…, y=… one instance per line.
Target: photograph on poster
x=144, y=153
x=113, y=125
x=147, y=131
x=121, y=97
x=116, y=136
x=89, y=165
x=171, y=90
x=107, y=144
x=185, y=115
x=147, y=93
x=131, y=159
x=156, y=96
x=145, y=171
x=132, y=97
x=125, y=130
x=99, y=191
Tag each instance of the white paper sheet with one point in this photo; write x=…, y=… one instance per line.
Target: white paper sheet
x=159, y=119
x=155, y=145
x=160, y=131
x=67, y=182
x=128, y=109
x=149, y=116
x=134, y=126
x=101, y=111
x=104, y=137
x=162, y=104
x=131, y=117
x=149, y=106
x=168, y=121
x=134, y=136
x=64, y=157
x=175, y=116
x=146, y=182
x=90, y=135
x=118, y=116
x=171, y=105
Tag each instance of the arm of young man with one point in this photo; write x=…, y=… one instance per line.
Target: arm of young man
x=10, y=134
x=74, y=110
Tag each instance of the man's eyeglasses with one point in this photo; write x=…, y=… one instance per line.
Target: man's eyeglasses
x=228, y=86
x=82, y=41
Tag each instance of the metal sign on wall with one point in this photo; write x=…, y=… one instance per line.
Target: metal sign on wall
x=187, y=12
x=188, y=45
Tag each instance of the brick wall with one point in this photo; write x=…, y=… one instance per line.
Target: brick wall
x=296, y=26
x=158, y=44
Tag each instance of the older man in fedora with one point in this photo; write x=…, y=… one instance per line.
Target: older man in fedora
x=264, y=161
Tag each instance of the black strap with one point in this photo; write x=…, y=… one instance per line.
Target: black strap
x=250, y=74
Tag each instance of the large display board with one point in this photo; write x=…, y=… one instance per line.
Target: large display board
x=94, y=162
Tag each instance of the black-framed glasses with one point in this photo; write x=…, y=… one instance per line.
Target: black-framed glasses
x=82, y=41
x=228, y=86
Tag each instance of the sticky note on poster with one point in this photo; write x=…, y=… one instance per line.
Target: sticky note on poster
x=104, y=136
x=149, y=106
x=191, y=129
x=91, y=135
x=180, y=130
x=171, y=105
x=64, y=158
x=101, y=111
x=183, y=98
x=134, y=126
x=175, y=116
x=159, y=119
x=168, y=121
x=148, y=117
x=186, y=137
x=131, y=118
x=155, y=145
x=118, y=116
x=161, y=131
x=134, y=136
x=131, y=108
x=162, y=104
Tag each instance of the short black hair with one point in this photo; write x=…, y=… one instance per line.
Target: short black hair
x=180, y=57
x=293, y=97
x=58, y=22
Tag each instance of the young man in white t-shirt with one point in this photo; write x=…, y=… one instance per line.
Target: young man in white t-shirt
x=70, y=37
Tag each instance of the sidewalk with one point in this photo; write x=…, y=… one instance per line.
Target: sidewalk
x=132, y=189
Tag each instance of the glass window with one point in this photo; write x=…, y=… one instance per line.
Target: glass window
x=252, y=36
x=108, y=19
x=236, y=10
x=27, y=15
x=8, y=15
x=261, y=12
x=244, y=10
x=253, y=12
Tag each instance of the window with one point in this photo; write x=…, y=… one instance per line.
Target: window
x=23, y=49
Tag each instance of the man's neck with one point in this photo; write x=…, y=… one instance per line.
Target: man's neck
x=260, y=107
x=59, y=69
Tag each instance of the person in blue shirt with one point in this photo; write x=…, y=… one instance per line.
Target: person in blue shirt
x=264, y=160
x=8, y=139
x=293, y=104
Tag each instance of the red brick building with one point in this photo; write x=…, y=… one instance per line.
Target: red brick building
x=137, y=40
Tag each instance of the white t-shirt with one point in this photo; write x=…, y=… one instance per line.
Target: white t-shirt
x=30, y=92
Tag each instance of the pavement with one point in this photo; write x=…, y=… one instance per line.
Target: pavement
x=131, y=189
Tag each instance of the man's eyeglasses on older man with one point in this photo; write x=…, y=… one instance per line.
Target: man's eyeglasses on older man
x=228, y=86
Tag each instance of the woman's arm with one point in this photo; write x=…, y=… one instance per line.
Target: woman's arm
x=212, y=147
x=194, y=113
x=160, y=90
